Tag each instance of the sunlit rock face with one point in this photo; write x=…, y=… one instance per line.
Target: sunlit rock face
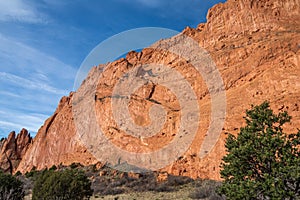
x=255, y=47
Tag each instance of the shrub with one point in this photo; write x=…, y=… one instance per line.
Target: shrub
x=113, y=191
x=178, y=180
x=67, y=184
x=75, y=165
x=161, y=188
x=262, y=161
x=10, y=187
x=53, y=168
x=32, y=172
x=206, y=189
x=18, y=173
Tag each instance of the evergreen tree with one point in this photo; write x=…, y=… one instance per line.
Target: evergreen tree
x=262, y=162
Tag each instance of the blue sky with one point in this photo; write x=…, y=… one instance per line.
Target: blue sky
x=44, y=42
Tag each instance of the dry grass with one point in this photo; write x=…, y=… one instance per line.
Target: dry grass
x=181, y=194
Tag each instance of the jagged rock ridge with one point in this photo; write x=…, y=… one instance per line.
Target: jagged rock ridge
x=12, y=150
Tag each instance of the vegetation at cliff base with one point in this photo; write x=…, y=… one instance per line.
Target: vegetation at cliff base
x=262, y=162
x=66, y=184
x=10, y=187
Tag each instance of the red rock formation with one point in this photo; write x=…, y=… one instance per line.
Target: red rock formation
x=12, y=150
x=255, y=45
x=55, y=142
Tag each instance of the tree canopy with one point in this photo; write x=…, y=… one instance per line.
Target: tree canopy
x=262, y=162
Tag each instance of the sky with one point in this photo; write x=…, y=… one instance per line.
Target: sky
x=44, y=42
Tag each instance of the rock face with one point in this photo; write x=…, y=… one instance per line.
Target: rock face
x=12, y=150
x=255, y=46
x=55, y=142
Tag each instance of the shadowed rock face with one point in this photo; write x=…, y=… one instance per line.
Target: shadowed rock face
x=255, y=46
x=12, y=150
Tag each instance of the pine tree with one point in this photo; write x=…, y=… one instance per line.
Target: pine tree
x=262, y=162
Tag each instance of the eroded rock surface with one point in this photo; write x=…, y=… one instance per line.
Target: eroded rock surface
x=255, y=47
x=12, y=150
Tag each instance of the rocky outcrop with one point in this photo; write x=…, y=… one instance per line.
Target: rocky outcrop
x=238, y=18
x=56, y=142
x=12, y=150
x=255, y=46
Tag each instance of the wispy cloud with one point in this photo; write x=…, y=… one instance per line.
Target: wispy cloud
x=9, y=94
x=29, y=84
x=17, y=120
x=32, y=63
x=18, y=10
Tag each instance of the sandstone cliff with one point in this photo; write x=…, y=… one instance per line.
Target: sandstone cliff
x=255, y=45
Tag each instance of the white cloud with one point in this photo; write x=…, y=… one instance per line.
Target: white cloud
x=16, y=121
x=18, y=10
x=29, y=84
x=10, y=94
x=21, y=58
